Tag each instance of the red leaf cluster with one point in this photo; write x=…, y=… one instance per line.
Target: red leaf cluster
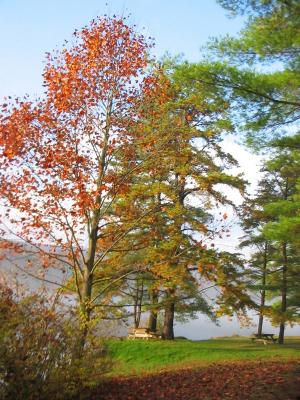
x=57, y=155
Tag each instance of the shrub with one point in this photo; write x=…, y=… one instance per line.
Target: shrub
x=38, y=351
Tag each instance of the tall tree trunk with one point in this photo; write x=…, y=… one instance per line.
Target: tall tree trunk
x=86, y=293
x=152, y=321
x=138, y=301
x=283, y=293
x=168, y=328
x=85, y=314
x=263, y=291
x=135, y=313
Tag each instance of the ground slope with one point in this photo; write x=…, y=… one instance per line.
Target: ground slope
x=235, y=380
x=139, y=356
x=220, y=369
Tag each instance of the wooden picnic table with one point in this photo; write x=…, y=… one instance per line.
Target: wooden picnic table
x=142, y=333
x=265, y=337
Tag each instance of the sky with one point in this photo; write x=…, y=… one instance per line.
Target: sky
x=29, y=29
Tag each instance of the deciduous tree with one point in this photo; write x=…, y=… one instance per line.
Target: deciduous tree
x=67, y=158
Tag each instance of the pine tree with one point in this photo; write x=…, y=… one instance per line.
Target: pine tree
x=253, y=219
x=182, y=187
x=271, y=221
x=284, y=171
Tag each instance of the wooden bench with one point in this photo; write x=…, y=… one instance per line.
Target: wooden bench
x=264, y=337
x=142, y=333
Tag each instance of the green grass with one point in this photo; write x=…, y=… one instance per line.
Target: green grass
x=138, y=356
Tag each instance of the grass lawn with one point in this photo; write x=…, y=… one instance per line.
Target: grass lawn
x=141, y=357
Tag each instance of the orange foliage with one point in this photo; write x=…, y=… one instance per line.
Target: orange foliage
x=55, y=154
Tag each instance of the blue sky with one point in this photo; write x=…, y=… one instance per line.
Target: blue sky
x=30, y=28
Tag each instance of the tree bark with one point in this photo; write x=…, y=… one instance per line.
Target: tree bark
x=138, y=301
x=153, y=313
x=86, y=292
x=168, y=328
x=263, y=292
x=283, y=293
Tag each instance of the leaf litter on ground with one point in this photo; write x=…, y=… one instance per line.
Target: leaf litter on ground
x=253, y=380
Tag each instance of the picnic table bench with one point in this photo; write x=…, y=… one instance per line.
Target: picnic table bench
x=264, y=337
x=142, y=333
